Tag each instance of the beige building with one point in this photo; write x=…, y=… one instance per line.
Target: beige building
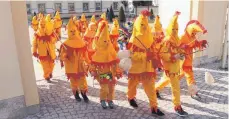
x=18, y=90
x=68, y=8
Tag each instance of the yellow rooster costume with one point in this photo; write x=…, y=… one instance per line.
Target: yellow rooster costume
x=34, y=23
x=89, y=35
x=73, y=52
x=104, y=64
x=170, y=54
x=43, y=47
x=57, y=24
x=142, y=71
x=114, y=34
x=83, y=24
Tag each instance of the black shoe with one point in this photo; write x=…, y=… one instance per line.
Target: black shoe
x=158, y=95
x=85, y=98
x=133, y=103
x=77, y=97
x=196, y=96
x=111, y=104
x=103, y=104
x=181, y=112
x=48, y=80
x=157, y=112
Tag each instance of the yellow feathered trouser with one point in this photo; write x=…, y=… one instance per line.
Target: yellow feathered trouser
x=140, y=64
x=47, y=66
x=165, y=81
x=107, y=91
x=148, y=85
x=175, y=86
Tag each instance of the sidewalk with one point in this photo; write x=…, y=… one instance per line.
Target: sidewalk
x=57, y=101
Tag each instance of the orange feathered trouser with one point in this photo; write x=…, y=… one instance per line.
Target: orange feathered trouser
x=47, y=65
x=79, y=84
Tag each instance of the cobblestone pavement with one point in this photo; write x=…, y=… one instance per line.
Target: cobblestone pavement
x=57, y=101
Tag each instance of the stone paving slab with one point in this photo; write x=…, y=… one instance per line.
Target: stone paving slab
x=57, y=101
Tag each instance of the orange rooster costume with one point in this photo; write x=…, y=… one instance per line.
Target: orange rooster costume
x=43, y=47
x=34, y=23
x=89, y=35
x=104, y=65
x=57, y=24
x=171, y=55
x=83, y=24
x=73, y=52
x=114, y=34
x=142, y=71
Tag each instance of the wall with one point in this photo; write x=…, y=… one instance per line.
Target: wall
x=18, y=90
x=23, y=46
x=212, y=14
x=10, y=77
x=167, y=8
x=214, y=18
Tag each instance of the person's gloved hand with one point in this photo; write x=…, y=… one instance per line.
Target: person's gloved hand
x=35, y=54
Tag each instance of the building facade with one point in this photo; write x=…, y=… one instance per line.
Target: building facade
x=68, y=8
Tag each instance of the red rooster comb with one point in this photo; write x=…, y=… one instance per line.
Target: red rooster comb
x=145, y=13
x=177, y=13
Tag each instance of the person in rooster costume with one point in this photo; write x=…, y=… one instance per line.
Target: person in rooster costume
x=188, y=42
x=76, y=22
x=34, y=23
x=83, y=24
x=90, y=34
x=104, y=65
x=114, y=34
x=158, y=35
x=171, y=55
x=73, y=56
x=40, y=16
x=142, y=57
x=43, y=47
x=57, y=24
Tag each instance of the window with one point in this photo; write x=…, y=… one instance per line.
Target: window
x=155, y=2
x=85, y=6
x=98, y=6
x=28, y=8
x=41, y=8
x=115, y=5
x=71, y=7
x=58, y=7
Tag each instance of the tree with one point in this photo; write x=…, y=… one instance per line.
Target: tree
x=107, y=14
x=122, y=17
x=111, y=14
x=152, y=16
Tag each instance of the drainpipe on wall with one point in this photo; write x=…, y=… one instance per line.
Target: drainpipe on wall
x=225, y=44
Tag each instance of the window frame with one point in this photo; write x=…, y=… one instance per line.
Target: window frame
x=113, y=5
x=83, y=6
x=100, y=6
x=73, y=6
x=60, y=10
x=39, y=8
